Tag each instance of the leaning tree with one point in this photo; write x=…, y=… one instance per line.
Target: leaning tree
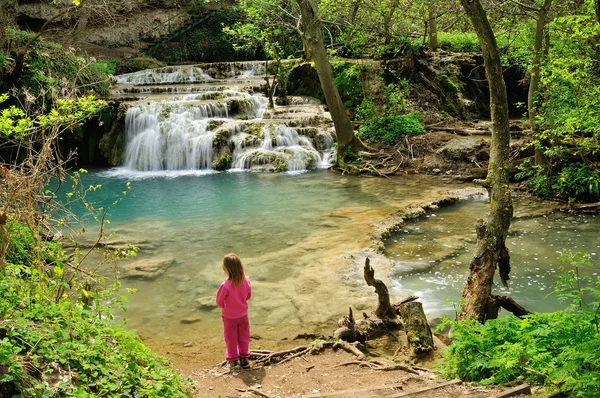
x=312, y=37
x=491, y=233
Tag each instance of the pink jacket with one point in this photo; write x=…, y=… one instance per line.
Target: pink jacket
x=233, y=299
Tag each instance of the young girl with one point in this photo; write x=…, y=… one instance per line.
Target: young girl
x=232, y=297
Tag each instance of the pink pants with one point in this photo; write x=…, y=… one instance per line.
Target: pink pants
x=237, y=338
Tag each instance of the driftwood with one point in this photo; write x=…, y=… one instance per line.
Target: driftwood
x=384, y=307
x=583, y=207
x=495, y=302
x=417, y=328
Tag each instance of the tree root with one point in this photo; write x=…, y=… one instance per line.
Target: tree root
x=376, y=365
x=266, y=358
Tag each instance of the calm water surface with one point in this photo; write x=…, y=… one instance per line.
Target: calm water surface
x=432, y=256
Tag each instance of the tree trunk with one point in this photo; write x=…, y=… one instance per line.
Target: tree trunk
x=20, y=55
x=417, y=328
x=597, y=7
x=312, y=37
x=491, y=234
x=387, y=21
x=534, y=80
x=432, y=22
x=355, y=7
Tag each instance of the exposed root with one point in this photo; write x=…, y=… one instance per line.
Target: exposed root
x=376, y=365
x=266, y=358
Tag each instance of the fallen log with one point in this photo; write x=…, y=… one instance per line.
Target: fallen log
x=424, y=389
x=354, y=393
x=461, y=131
x=523, y=389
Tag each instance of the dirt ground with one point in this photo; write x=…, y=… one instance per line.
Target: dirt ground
x=322, y=375
x=325, y=374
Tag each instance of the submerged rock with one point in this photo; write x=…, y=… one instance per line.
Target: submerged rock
x=206, y=303
x=150, y=268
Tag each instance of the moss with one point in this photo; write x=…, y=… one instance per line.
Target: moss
x=447, y=84
x=255, y=129
x=277, y=160
x=112, y=143
x=310, y=132
x=214, y=124
x=223, y=162
x=139, y=63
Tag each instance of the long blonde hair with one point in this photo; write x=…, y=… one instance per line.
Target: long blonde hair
x=234, y=268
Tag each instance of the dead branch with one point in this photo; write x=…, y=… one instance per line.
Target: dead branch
x=420, y=390
x=384, y=307
x=253, y=390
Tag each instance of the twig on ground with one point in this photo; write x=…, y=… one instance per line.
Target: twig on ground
x=253, y=390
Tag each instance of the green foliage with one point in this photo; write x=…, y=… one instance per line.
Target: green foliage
x=14, y=123
x=390, y=129
x=577, y=181
x=52, y=71
x=68, y=348
x=459, y=42
x=347, y=77
x=20, y=243
x=366, y=109
x=223, y=162
x=560, y=350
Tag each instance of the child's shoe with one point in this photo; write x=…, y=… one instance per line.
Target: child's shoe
x=245, y=363
x=232, y=365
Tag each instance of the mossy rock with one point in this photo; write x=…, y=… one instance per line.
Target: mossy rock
x=310, y=132
x=112, y=144
x=255, y=129
x=223, y=162
x=214, y=124
x=139, y=63
x=240, y=108
x=262, y=158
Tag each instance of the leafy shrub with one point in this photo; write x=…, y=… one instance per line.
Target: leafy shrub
x=53, y=71
x=348, y=82
x=560, y=350
x=366, y=109
x=20, y=242
x=54, y=348
x=577, y=181
x=390, y=129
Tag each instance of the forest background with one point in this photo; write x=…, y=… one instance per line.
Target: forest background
x=53, y=304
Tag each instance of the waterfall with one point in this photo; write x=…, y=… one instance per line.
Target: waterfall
x=186, y=122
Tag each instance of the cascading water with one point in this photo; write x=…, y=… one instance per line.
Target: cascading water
x=219, y=117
